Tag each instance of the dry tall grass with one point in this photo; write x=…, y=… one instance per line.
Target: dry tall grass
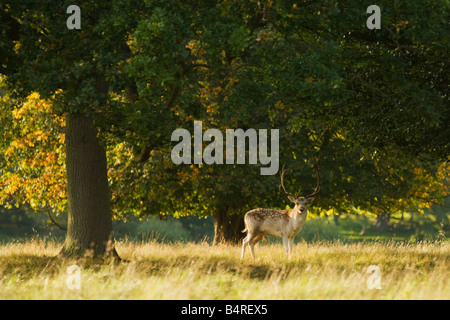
x=200, y=271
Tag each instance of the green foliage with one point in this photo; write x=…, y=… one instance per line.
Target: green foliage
x=369, y=107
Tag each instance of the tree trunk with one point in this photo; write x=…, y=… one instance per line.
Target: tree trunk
x=336, y=219
x=89, y=226
x=382, y=222
x=364, y=226
x=227, y=228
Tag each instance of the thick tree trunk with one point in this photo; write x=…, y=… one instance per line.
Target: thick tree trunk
x=89, y=227
x=227, y=228
x=382, y=222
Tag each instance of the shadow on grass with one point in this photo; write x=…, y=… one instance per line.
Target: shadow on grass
x=254, y=270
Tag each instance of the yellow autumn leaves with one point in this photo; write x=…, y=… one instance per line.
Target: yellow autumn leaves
x=34, y=156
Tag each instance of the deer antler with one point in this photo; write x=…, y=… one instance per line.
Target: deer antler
x=283, y=171
x=317, y=188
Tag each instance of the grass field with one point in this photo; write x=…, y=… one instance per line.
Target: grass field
x=201, y=271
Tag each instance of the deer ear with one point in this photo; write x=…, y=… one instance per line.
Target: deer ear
x=292, y=198
x=309, y=200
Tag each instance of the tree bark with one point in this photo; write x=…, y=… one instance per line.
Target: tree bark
x=89, y=227
x=227, y=228
x=382, y=222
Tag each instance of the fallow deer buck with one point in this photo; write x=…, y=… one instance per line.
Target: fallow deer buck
x=285, y=224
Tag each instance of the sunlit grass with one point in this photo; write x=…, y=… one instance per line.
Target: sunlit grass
x=201, y=271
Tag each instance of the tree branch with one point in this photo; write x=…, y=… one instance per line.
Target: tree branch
x=54, y=222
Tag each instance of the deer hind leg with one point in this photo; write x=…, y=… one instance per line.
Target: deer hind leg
x=254, y=240
x=250, y=240
x=251, y=246
x=244, y=244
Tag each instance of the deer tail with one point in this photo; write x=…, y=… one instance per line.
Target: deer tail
x=245, y=229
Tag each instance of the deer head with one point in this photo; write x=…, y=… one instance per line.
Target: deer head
x=301, y=201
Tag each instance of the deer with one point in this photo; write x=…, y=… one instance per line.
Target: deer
x=284, y=224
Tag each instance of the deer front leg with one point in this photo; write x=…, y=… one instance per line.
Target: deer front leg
x=286, y=245
x=291, y=245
